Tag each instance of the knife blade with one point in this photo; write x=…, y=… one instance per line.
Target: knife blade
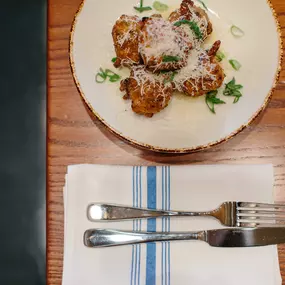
x=227, y=237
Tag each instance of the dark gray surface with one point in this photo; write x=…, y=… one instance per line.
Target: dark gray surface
x=22, y=142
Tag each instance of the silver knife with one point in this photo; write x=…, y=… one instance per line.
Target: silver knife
x=233, y=237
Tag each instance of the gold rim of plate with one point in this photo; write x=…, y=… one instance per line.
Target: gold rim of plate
x=179, y=150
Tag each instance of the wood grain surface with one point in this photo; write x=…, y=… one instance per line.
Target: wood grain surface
x=75, y=136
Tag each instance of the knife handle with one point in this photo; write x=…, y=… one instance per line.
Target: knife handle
x=110, y=212
x=107, y=237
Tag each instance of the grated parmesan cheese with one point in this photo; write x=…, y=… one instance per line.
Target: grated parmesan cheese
x=149, y=82
x=198, y=67
x=161, y=38
x=130, y=34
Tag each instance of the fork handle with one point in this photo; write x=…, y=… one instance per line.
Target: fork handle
x=111, y=212
x=106, y=238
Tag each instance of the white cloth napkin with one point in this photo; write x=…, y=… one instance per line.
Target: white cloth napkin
x=175, y=263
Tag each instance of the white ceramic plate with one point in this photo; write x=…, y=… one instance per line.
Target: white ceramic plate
x=186, y=124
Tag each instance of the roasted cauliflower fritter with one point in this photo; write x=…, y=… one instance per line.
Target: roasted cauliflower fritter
x=149, y=92
x=125, y=36
x=162, y=45
x=202, y=76
x=188, y=11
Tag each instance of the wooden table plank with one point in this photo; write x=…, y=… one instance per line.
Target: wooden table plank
x=75, y=136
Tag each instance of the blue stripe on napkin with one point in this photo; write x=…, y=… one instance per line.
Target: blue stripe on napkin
x=151, y=227
x=165, y=205
x=137, y=202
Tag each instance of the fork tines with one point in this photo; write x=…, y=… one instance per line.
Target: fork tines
x=256, y=214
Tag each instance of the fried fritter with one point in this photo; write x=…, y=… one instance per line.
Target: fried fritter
x=125, y=37
x=162, y=45
x=149, y=93
x=203, y=75
x=188, y=11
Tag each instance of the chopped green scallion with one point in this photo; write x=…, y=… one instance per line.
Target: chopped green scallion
x=220, y=56
x=103, y=75
x=236, y=31
x=212, y=100
x=235, y=64
x=158, y=6
x=141, y=8
x=233, y=89
x=170, y=58
x=193, y=25
x=203, y=4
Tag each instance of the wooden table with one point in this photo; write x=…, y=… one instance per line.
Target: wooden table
x=75, y=136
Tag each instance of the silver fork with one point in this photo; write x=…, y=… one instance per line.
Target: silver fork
x=230, y=214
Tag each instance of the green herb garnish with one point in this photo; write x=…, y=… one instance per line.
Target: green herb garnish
x=114, y=78
x=141, y=8
x=170, y=78
x=203, y=4
x=235, y=64
x=194, y=27
x=236, y=31
x=220, y=56
x=158, y=6
x=101, y=76
x=212, y=100
x=114, y=59
x=233, y=89
x=170, y=58
x=104, y=74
